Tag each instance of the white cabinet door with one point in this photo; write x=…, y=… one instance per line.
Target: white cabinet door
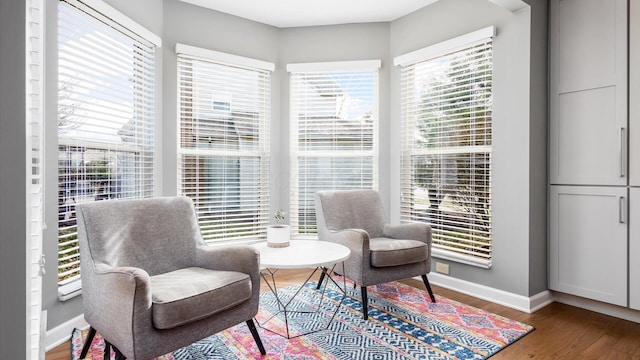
x=588, y=242
x=634, y=248
x=634, y=93
x=588, y=92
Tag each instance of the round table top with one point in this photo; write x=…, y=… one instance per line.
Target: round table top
x=302, y=254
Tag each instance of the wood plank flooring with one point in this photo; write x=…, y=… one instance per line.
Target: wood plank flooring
x=562, y=331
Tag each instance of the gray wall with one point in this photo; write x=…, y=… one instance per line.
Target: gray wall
x=519, y=193
x=13, y=181
x=520, y=115
x=538, y=120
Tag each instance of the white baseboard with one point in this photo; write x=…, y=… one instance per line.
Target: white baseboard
x=597, y=306
x=540, y=300
x=62, y=332
x=501, y=297
x=533, y=303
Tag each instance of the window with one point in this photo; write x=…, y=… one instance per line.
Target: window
x=105, y=116
x=446, y=155
x=334, y=133
x=224, y=110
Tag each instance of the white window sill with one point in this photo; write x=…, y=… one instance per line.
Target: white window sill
x=463, y=259
x=70, y=290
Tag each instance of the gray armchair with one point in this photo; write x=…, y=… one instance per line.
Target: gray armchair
x=151, y=285
x=380, y=252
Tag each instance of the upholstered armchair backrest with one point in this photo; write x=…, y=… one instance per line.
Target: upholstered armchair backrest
x=158, y=234
x=352, y=209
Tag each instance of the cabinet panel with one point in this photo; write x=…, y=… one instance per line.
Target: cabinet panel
x=634, y=248
x=634, y=92
x=587, y=144
x=588, y=242
x=588, y=92
x=588, y=43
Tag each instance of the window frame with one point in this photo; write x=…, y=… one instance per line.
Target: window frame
x=312, y=69
x=248, y=231
x=409, y=153
x=35, y=162
x=143, y=89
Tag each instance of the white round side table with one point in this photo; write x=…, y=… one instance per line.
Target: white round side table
x=301, y=254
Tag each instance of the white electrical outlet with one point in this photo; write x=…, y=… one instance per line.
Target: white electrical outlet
x=442, y=268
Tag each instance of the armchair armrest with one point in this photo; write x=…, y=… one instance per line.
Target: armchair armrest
x=104, y=290
x=240, y=258
x=412, y=231
x=120, y=283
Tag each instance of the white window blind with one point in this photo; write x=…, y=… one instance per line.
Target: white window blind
x=105, y=119
x=34, y=74
x=224, y=146
x=446, y=156
x=334, y=135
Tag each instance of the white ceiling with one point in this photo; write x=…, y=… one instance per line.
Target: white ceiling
x=294, y=13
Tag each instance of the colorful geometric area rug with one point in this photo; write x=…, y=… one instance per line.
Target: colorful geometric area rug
x=403, y=324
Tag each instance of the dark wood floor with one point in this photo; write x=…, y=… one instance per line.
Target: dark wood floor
x=562, y=331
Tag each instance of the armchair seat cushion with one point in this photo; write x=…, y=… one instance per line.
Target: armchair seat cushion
x=387, y=252
x=186, y=295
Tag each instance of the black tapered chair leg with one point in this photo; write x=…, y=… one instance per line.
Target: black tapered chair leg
x=324, y=273
x=107, y=350
x=119, y=355
x=426, y=284
x=87, y=342
x=365, y=307
x=256, y=336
